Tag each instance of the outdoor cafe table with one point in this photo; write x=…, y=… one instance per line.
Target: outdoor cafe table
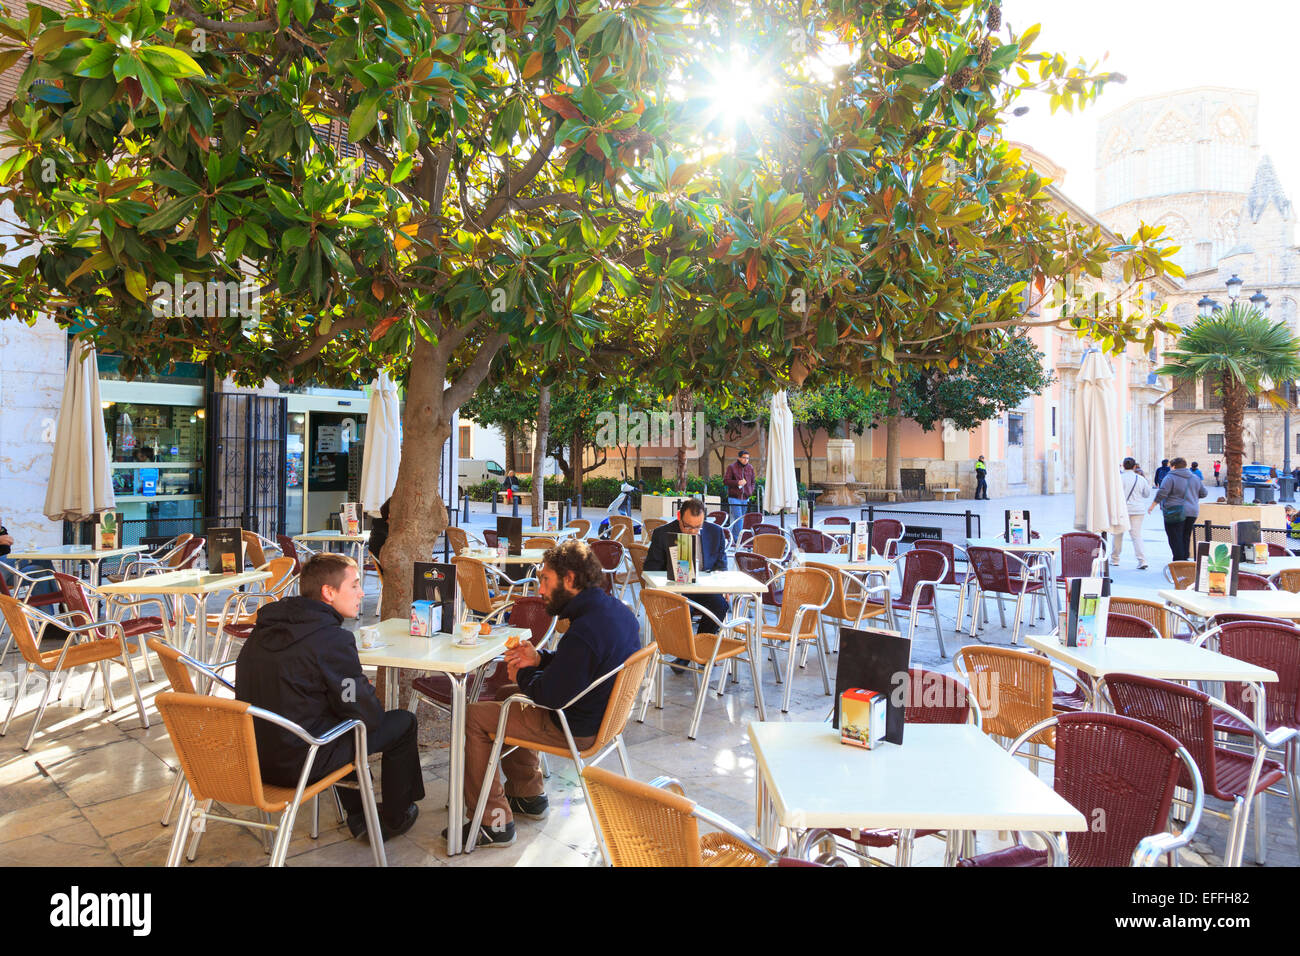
x=727, y=582
x=553, y=535
x=1281, y=604
x=396, y=647
x=873, y=565
x=943, y=777
x=490, y=556
x=357, y=542
x=67, y=553
x=192, y=583
x=1044, y=549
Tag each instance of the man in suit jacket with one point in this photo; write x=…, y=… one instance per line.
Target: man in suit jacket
x=713, y=557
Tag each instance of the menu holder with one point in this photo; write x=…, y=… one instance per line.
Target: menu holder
x=1217, y=565
x=350, y=518
x=860, y=540
x=108, y=533
x=1016, y=527
x=874, y=659
x=1089, y=607
x=434, y=590
x=684, y=559
x=511, y=530
x=225, y=551
x=1249, y=537
x=552, y=516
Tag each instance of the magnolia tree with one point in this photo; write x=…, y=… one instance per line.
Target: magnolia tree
x=704, y=197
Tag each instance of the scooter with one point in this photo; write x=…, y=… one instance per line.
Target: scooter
x=622, y=505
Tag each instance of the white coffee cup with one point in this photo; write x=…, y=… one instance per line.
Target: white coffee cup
x=467, y=632
x=368, y=636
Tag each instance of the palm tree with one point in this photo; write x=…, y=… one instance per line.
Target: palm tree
x=1244, y=354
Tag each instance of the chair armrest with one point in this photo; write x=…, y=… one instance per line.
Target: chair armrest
x=721, y=823
x=1151, y=848
x=1274, y=741
x=328, y=737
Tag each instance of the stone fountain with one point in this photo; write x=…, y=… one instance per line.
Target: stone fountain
x=839, y=474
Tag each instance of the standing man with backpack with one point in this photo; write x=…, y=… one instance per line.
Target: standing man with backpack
x=1178, y=498
x=1163, y=470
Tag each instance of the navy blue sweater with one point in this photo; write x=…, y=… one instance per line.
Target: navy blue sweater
x=602, y=634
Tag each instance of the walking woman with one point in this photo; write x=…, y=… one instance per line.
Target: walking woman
x=1178, y=497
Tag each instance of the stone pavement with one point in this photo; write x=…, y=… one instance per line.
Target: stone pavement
x=93, y=787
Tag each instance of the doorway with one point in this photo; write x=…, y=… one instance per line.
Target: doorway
x=1015, y=449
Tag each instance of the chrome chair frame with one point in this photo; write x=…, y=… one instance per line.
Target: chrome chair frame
x=1030, y=573
x=794, y=642
x=21, y=579
x=916, y=594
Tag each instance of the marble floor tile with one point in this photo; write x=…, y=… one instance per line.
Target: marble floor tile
x=55, y=813
x=108, y=772
x=130, y=812
x=75, y=845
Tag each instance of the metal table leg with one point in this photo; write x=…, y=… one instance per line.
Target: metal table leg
x=755, y=646
x=456, y=774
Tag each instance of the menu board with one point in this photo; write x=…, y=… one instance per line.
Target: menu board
x=108, y=533
x=225, y=551
x=874, y=659
x=512, y=530
x=860, y=540
x=1089, y=606
x=1217, y=565
x=435, y=587
x=1016, y=527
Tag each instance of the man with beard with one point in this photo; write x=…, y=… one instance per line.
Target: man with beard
x=602, y=634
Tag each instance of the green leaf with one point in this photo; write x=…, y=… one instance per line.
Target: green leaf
x=587, y=286
x=364, y=117
x=170, y=61
x=135, y=284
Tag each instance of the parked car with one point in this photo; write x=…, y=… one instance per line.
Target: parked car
x=1256, y=476
x=473, y=471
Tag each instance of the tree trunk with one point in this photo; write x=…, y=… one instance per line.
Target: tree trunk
x=893, y=477
x=539, y=453
x=683, y=403
x=575, y=482
x=1234, y=407
x=512, y=461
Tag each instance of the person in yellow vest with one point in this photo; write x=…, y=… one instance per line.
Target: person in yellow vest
x=981, y=479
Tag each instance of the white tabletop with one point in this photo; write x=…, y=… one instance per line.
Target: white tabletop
x=399, y=648
x=1034, y=547
x=184, y=582
x=710, y=582
x=874, y=564
x=1281, y=604
x=1274, y=565
x=525, y=556
x=333, y=536
x=543, y=533
x=1150, y=657
x=71, y=552
x=944, y=776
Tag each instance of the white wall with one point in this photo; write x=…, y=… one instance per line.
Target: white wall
x=33, y=363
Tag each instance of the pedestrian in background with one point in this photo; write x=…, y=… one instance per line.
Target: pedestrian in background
x=981, y=480
x=1179, y=498
x=1196, y=470
x=739, y=482
x=1162, y=471
x=1136, y=492
x=1216, y=473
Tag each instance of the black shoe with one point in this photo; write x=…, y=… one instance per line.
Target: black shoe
x=488, y=837
x=1142, y=567
x=357, y=823
x=674, y=666
x=533, y=808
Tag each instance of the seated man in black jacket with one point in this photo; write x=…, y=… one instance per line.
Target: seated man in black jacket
x=602, y=634
x=713, y=557
x=301, y=663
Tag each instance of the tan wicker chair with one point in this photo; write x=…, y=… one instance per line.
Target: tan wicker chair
x=643, y=825
x=669, y=615
x=628, y=678
x=649, y=526
x=807, y=592
x=254, y=556
x=1162, y=618
x=634, y=578
x=774, y=547
x=851, y=601
x=457, y=539
x=538, y=544
x=583, y=526
x=1014, y=690
x=622, y=529
x=215, y=742
x=1181, y=574
x=98, y=650
x=1287, y=580
x=475, y=591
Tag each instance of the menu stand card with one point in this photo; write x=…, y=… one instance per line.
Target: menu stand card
x=552, y=516
x=684, y=559
x=434, y=591
x=108, y=533
x=1089, y=606
x=1217, y=565
x=1248, y=536
x=512, y=530
x=874, y=659
x=860, y=541
x=350, y=518
x=225, y=551
x=804, y=513
x=1016, y=529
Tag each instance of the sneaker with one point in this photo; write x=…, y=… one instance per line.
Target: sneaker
x=488, y=837
x=357, y=823
x=1142, y=567
x=533, y=808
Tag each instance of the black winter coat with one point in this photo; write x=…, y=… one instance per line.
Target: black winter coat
x=301, y=663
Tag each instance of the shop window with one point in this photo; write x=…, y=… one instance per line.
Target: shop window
x=1214, y=444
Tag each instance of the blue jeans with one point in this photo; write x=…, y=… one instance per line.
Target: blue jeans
x=737, y=507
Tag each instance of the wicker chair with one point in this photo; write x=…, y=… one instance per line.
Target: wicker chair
x=886, y=533
x=774, y=547
x=610, y=554
x=477, y=595
x=95, y=651
x=669, y=616
x=1117, y=625
x=183, y=556
x=582, y=524
x=1188, y=715
x=24, y=584
x=537, y=544
x=759, y=568
x=254, y=554
x=1274, y=645
x=73, y=592
x=923, y=571
x=292, y=549
x=1248, y=581
x=1286, y=580
x=808, y=591
x=718, y=518
x=238, y=616
x=457, y=539
x=217, y=749
x=642, y=825
x=813, y=541
x=627, y=679
x=622, y=529
x=1083, y=554
x=994, y=575
x=649, y=526
x=1163, y=619
x=743, y=529
x=1117, y=770
x=1278, y=551
x=851, y=600
x=1181, y=574
x=634, y=578
x=961, y=580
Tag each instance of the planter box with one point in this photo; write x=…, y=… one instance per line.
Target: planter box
x=1268, y=516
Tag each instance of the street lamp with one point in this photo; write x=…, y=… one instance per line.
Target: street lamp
x=1234, y=287
x=1207, y=306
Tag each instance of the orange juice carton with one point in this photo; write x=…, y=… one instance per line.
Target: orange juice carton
x=862, y=718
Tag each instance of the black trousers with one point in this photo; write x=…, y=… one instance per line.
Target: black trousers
x=717, y=603
x=981, y=486
x=1179, y=534
x=401, y=779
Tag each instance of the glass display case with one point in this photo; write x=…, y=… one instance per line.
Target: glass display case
x=157, y=453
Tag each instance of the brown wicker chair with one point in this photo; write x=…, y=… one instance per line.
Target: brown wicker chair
x=649, y=526
x=582, y=524
x=774, y=547
x=97, y=650
x=1181, y=574
x=254, y=555
x=628, y=678
x=1287, y=580
x=457, y=538
x=1248, y=581
x=1163, y=619
x=642, y=825
x=537, y=544
x=806, y=593
x=634, y=579
x=622, y=529
x=215, y=743
x=669, y=615
x=476, y=593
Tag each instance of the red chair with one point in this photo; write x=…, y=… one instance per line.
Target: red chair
x=73, y=593
x=885, y=535
x=1117, y=625
x=1248, y=581
x=719, y=517
x=1274, y=645
x=993, y=575
x=961, y=580
x=289, y=548
x=1080, y=553
x=838, y=521
x=610, y=554
x=1218, y=620
x=758, y=567
x=1188, y=715
x=1118, y=770
x=490, y=537
x=923, y=570
x=435, y=689
x=812, y=541
x=748, y=522
x=1277, y=551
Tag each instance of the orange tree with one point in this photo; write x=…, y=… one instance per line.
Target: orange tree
x=435, y=187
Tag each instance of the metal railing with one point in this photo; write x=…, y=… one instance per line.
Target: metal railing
x=1207, y=531
x=942, y=525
